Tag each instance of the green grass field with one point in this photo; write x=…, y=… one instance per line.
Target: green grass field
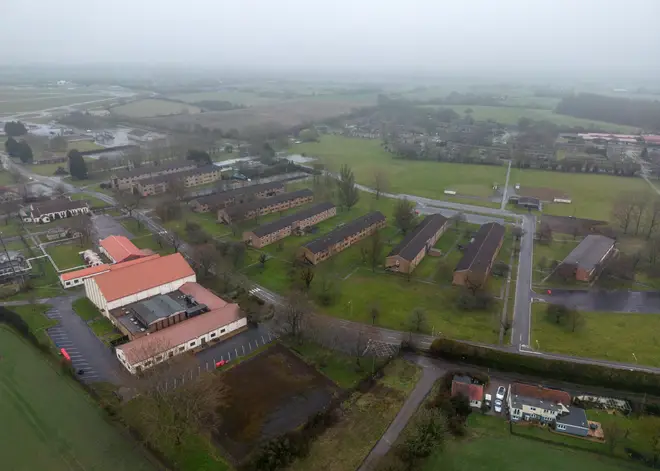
x=366, y=417
x=490, y=447
x=34, y=316
x=236, y=97
x=606, y=335
x=544, y=255
x=428, y=179
x=153, y=107
x=511, y=115
x=85, y=309
x=592, y=195
x=66, y=255
x=49, y=423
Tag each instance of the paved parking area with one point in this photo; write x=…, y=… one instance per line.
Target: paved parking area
x=492, y=390
x=235, y=347
x=106, y=226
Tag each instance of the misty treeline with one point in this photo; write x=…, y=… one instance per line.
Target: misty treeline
x=639, y=113
x=637, y=213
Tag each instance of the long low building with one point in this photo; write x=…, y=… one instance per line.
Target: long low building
x=478, y=257
x=74, y=278
x=160, y=184
x=587, y=258
x=262, y=207
x=236, y=196
x=48, y=211
x=405, y=257
x=341, y=238
x=268, y=233
x=127, y=179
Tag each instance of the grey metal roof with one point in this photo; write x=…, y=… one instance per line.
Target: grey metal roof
x=590, y=251
x=156, y=308
x=480, y=252
x=341, y=233
x=57, y=205
x=147, y=170
x=281, y=223
x=576, y=417
x=416, y=240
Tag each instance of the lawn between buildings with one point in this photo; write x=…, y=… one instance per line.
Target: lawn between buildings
x=50, y=423
x=605, y=335
x=427, y=179
x=67, y=256
x=359, y=288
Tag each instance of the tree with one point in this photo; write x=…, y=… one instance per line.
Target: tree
x=205, y=257
x=263, y=258
x=169, y=211
x=652, y=218
x=640, y=201
x=77, y=165
x=544, y=234
x=83, y=225
x=417, y=319
x=556, y=313
x=427, y=434
x=404, y=215
x=457, y=218
x=307, y=276
x=381, y=182
x=623, y=211
x=15, y=128
x=376, y=249
x=266, y=154
x=292, y=314
x=229, y=149
x=199, y=156
x=348, y=192
x=517, y=232
x=11, y=147
x=309, y=135
x=374, y=312
x=614, y=434
x=59, y=190
x=237, y=254
x=176, y=188
x=58, y=144
x=19, y=149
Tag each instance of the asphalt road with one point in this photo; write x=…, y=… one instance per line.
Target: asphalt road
x=521, y=326
x=608, y=301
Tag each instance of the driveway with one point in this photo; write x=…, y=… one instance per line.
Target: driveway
x=106, y=226
x=87, y=352
x=602, y=300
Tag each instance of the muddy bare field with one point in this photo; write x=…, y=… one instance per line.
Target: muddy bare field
x=544, y=194
x=269, y=394
x=284, y=114
x=574, y=226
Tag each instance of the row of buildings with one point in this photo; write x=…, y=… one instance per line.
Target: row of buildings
x=155, y=302
x=44, y=212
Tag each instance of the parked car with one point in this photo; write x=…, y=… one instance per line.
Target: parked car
x=500, y=393
x=488, y=399
x=498, y=406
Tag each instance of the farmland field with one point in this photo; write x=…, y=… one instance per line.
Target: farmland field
x=153, y=107
x=428, y=179
x=490, y=447
x=607, y=335
x=511, y=115
x=592, y=195
x=269, y=394
x=49, y=423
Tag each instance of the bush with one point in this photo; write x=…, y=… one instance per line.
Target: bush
x=580, y=373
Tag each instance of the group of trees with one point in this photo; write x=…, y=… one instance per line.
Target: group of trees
x=19, y=149
x=639, y=113
x=564, y=316
x=15, y=129
x=637, y=213
x=348, y=193
x=77, y=165
x=199, y=156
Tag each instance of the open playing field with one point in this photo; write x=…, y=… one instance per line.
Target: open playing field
x=269, y=394
x=48, y=421
x=606, y=335
x=153, y=107
x=511, y=115
x=490, y=447
x=592, y=195
x=428, y=179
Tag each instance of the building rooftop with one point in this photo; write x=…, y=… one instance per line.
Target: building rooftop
x=479, y=254
x=219, y=198
x=154, y=309
x=590, y=251
x=84, y=272
x=262, y=203
x=134, y=278
x=160, y=341
x=576, y=417
x=286, y=221
x=179, y=175
x=147, y=170
x=337, y=235
x=474, y=392
x=203, y=295
x=416, y=240
x=120, y=248
x=57, y=205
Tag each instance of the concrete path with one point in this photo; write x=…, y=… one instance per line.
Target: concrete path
x=430, y=374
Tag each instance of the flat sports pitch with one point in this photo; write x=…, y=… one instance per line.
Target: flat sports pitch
x=48, y=423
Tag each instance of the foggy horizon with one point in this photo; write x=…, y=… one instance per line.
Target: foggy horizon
x=419, y=37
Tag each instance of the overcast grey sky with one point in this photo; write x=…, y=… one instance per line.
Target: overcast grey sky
x=425, y=35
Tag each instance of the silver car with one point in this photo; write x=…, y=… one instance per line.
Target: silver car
x=498, y=406
x=501, y=391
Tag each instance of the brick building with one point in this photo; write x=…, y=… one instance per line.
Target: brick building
x=127, y=179
x=584, y=262
x=237, y=196
x=405, y=257
x=160, y=184
x=341, y=238
x=268, y=233
x=478, y=257
x=262, y=207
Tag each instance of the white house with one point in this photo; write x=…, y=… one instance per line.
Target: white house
x=47, y=211
x=530, y=402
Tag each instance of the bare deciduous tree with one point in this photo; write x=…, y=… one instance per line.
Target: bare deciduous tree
x=652, y=218
x=292, y=315
x=307, y=276
x=417, y=319
x=381, y=182
x=623, y=211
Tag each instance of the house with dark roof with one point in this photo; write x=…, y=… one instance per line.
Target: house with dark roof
x=478, y=257
x=48, y=211
x=160, y=184
x=127, y=179
x=586, y=260
x=527, y=202
x=405, y=257
x=236, y=196
x=271, y=232
x=261, y=207
x=341, y=238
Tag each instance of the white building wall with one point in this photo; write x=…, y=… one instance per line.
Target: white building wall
x=94, y=294
x=162, y=289
x=79, y=281
x=105, y=252
x=191, y=344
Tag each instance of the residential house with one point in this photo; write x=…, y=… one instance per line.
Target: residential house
x=271, y=232
x=526, y=202
x=261, y=207
x=341, y=238
x=405, y=257
x=127, y=179
x=478, y=257
x=160, y=184
x=573, y=422
x=48, y=211
x=587, y=258
x=465, y=386
x=236, y=196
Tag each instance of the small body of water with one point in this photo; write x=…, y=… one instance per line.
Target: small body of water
x=299, y=159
